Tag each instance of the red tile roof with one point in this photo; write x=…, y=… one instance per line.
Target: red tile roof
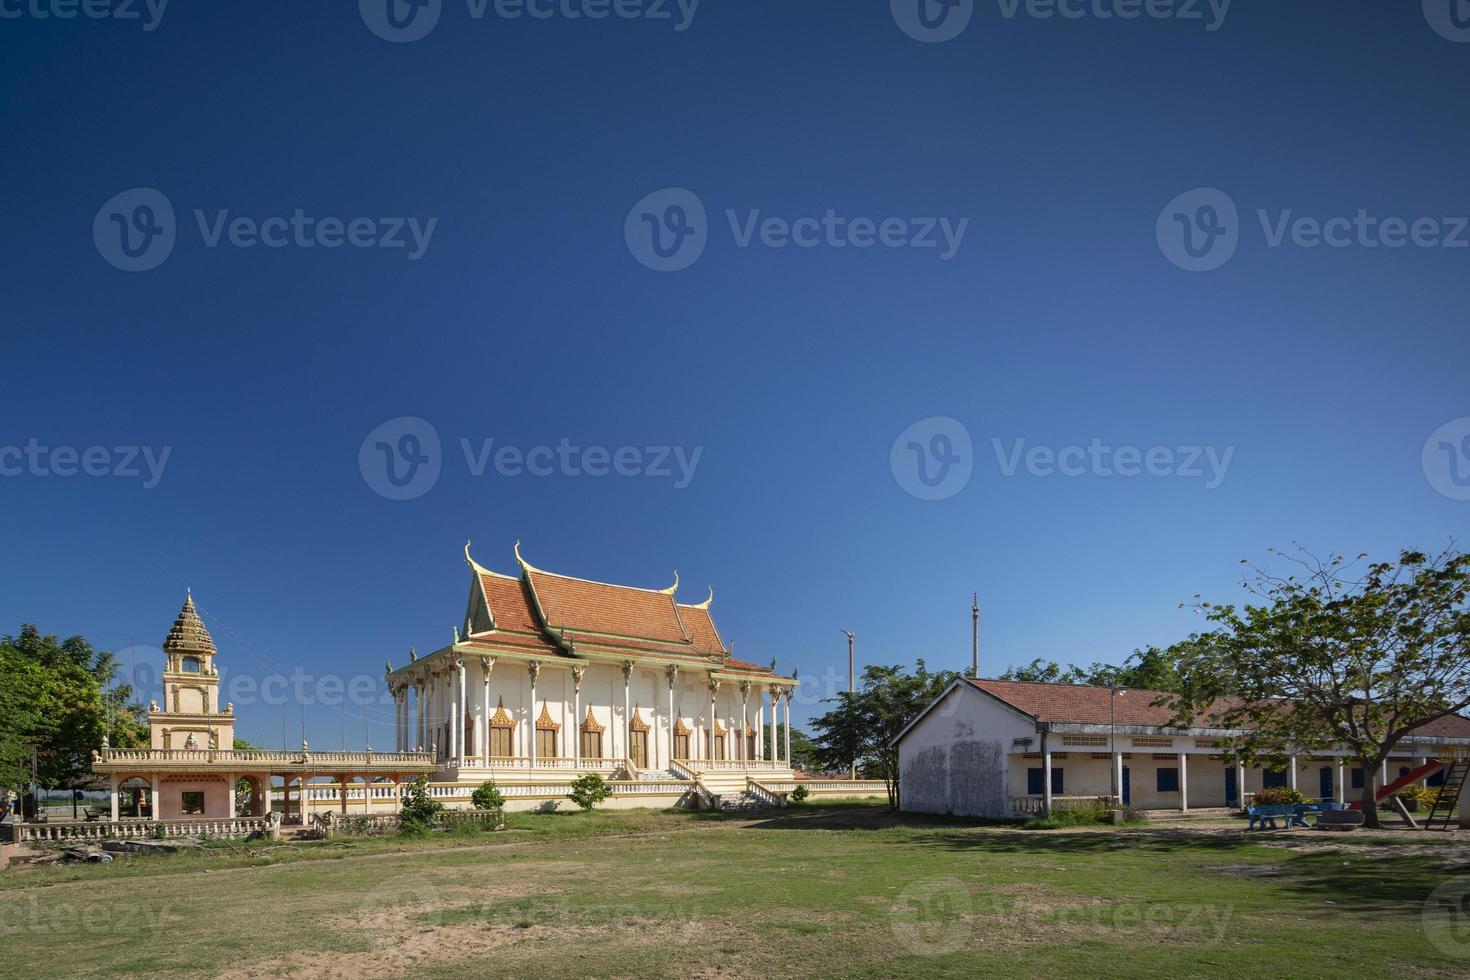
x=1081, y=704
x=541, y=609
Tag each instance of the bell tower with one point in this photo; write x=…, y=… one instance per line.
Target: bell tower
x=190, y=717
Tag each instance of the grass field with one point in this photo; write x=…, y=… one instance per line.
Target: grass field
x=827, y=890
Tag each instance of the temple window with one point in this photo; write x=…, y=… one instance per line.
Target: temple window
x=189, y=665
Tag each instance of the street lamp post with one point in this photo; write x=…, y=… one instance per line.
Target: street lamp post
x=850, y=670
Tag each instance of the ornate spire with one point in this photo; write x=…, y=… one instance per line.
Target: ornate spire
x=673, y=589
x=188, y=635
x=708, y=602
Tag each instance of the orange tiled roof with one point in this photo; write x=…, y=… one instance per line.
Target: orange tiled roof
x=1081, y=704
x=544, y=611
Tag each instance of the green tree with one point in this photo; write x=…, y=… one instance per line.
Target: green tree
x=487, y=797
x=1337, y=653
x=1148, y=669
x=588, y=790
x=863, y=725
x=1041, y=671
x=419, y=808
x=62, y=697
x=803, y=751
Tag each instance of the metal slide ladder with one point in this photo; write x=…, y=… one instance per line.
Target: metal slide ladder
x=1455, y=774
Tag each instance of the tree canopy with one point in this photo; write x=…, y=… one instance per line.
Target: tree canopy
x=60, y=696
x=863, y=725
x=1150, y=668
x=1337, y=653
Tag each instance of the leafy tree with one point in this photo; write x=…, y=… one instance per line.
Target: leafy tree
x=1336, y=654
x=487, y=797
x=1041, y=671
x=1149, y=669
x=62, y=697
x=588, y=790
x=419, y=808
x=863, y=724
x=803, y=751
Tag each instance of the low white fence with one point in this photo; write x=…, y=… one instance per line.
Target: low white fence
x=64, y=832
x=830, y=787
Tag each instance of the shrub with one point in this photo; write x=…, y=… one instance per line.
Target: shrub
x=1277, y=795
x=419, y=809
x=487, y=797
x=801, y=792
x=588, y=790
x=1082, y=813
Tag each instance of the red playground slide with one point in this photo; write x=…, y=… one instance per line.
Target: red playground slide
x=1412, y=776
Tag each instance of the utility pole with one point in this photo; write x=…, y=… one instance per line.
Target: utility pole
x=850, y=687
x=975, y=635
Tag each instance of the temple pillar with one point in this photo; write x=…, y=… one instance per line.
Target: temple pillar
x=627, y=715
x=1291, y=772
x=1339, y=791
x=1183, y=782
x=744, y=721
x=576, y=733
x=230, y=794
x=786, y=700
x=112, y=798
x=487, y=664
x=459, y=716
x=157, y=800
x=533, y=669
x=1046, y=799
x=714, y=718
x=672, y=672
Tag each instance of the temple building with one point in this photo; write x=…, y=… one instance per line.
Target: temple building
x=191, y=769
x=552, y=676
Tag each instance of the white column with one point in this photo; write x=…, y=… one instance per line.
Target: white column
x=533, y=669
x=577, y=673
x=156, y=800
x=1291, y=772
x=627, y=715
x=1240, y=785
x=1383, y=774
x=1118, y=776
x=230, y=795
x=775, y=727
x=786, y=700
x=744, y=720
x=432, y=719
x=1046, y=779
x=714, y=718
x=1420, y=763
x=454, y=729
x=760, y=727
x=422, y=726
x=672, y=672
x=112, y=796
x=400, y=728
x=1183, y=782
x=1339, y=792
x=487, y=664
x=459, y=715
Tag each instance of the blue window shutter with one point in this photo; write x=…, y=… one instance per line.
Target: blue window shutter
x=1033, y=782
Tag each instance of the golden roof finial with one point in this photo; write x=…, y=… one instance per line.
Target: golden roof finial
x=675, y=587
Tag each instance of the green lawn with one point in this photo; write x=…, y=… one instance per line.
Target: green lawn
x=830, y=890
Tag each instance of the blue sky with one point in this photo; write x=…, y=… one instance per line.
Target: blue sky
x=536, y=146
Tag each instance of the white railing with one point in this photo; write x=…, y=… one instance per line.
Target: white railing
x=830, y=787
x=134, y=829
x=765, y=794
x=683, y=768
x=246, y=758
x=1034, y=805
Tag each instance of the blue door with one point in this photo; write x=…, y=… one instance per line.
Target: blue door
x=1324, y=784
x=1126, y=794
x=1232, y=793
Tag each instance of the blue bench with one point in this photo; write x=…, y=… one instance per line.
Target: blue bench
x=1264, y=815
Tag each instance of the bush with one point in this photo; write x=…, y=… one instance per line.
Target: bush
x=1277, y=795
x=419, y=809
x=589, y=790
x=487, y=797
x=1082, y=813
x=801, y=792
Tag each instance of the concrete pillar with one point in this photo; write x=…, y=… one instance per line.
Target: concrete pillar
x=1291, y=772
x=577, y=717
x=1240, y=785
x=1046, y=779
x=744, y=721
x=672, y=673
x=112, y=799
x=760, y=728
x=1183, y=782
x=533, y=669
x=459, y=710
x=786, y=700
x=157, y=799
x=1419, y=763
x=1118, y=777
x=627, y=714
x=487, y=664
x=1339, y=791
x=230, y=794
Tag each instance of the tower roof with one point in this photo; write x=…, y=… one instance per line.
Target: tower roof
x=188, y=634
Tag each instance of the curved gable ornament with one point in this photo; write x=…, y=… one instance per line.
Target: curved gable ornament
x=546, y=723
x=637, y=724
x=680, y=728
x=501, y=719
x=591, y=724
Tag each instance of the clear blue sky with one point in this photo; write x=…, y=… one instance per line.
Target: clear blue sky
x=528, y=319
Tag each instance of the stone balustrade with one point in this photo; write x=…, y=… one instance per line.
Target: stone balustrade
x=69, y=831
